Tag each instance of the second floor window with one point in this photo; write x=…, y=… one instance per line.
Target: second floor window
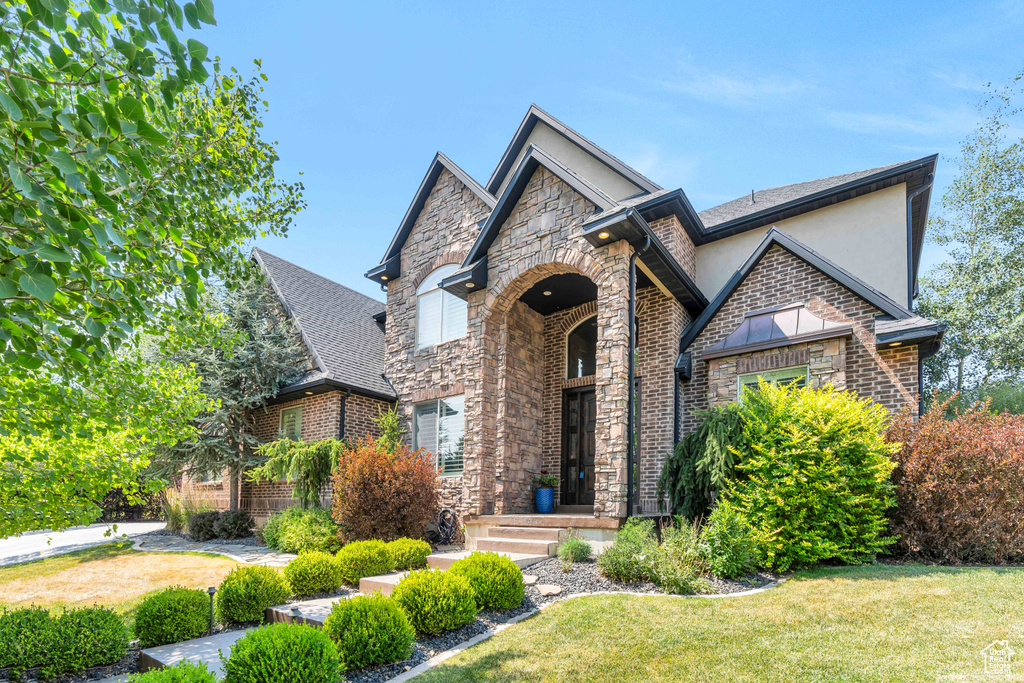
x=440, y=315
x=291, y=423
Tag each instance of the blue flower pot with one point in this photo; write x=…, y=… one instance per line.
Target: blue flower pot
x=545, y=499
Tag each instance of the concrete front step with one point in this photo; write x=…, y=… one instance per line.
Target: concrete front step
x=526, y=533
x=446, y=560
x=312, y=612
x=205, y=650
x=543, y=521
x=506, y=545
x=384, y=583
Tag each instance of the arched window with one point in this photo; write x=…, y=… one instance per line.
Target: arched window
x=440, y=315
x=582, y=349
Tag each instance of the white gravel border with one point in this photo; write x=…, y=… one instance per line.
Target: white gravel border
x=448, y=654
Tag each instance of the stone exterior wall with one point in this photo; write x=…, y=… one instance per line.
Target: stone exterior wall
x=825, y=361
x=442, y=234
x=888, y=376
x=542, y=237
x=661, y=321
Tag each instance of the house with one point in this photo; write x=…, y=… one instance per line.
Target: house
x=512, y=307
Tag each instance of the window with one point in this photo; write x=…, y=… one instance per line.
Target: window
x=440, y=315
x=210, y=478
x=291, y=423
x=582, y=347
x=783, y=376
x=438, y=427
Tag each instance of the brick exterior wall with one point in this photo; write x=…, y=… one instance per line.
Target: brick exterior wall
x=888, y=376
x=661, y=321
x=321, y=419
x=671, y=233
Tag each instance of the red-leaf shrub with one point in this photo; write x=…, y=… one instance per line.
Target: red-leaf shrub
x=383, y=493
x=960, y=485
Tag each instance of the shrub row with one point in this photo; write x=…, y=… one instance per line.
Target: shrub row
x=205, y=526
x=298, y=530
x=74, y=641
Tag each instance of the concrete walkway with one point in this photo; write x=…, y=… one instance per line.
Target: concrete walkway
x=36, y=545
x=249, y=554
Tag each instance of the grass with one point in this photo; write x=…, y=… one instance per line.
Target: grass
x=111, y=575
x=873, y=623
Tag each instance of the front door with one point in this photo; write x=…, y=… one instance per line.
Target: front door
x=578, y=416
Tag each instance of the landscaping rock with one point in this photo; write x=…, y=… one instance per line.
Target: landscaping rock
x=547, y=589
x=529, y=579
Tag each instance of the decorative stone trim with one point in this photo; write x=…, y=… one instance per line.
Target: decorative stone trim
x=434, y=393
x=577, y=382
x=448, y=258
x=771, y=361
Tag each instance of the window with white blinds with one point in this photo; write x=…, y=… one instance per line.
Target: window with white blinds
x=438, y=427
x=291, y=423
x=440, y=315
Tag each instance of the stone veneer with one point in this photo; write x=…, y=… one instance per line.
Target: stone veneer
x=888, y=376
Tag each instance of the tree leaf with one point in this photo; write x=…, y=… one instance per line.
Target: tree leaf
x=151, y=134
x=94, y=327
x=192, y=15
x=204, y=9
x=39, y=285
x=49, y=252
x=131, y=109
x=58, y=56
x=21, y=179
x=63, y=161
x=196, y=50
x=7, y=288
x=10, y=106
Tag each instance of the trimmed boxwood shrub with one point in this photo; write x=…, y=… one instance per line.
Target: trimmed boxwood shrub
x=363, y=558
x=496, y=580
x=815, y=485
x=234, y=524
x=200, y=527
x=247, y=592
x=295, y=653
x=27, y=638
x=171, y=616
x=182, y=672
x=632, y=556
x=408, y=553
x=370, y=629
x=313, y=573
x=435, y=600
x=296, y=530
x=87, y=637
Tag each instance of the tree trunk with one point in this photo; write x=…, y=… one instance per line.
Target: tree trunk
x=960, y=376
x=233, y=500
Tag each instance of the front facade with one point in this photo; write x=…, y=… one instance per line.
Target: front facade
x=512, y=308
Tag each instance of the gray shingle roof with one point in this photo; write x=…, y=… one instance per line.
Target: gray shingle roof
x=337, y=324
x=776, y=196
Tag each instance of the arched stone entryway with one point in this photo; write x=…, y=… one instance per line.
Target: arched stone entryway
x=514, y=402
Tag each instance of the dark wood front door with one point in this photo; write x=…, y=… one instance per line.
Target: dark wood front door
x=578, y=415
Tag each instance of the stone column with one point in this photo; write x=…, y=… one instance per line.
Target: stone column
x=612, y=382
x=480, y=382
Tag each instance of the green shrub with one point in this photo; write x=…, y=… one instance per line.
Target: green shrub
x=370, y=629
x=363, y=558
x=296, y=530
x=815, y=485
x=632, y=555
x=87, y=637
x=27, y=637
x=574, y=549
x=234, y=524
x=680, y=566
x=728, y=543
x=313, y=573
x=435, y=600
x=295, y=653
x=200, y=527
x=247, y=592
x=496, y=580
x=182, y=672
x=171, y=616
x=703, y=462
x=408, y=553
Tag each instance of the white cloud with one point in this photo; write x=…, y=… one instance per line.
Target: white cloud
x=927, y=121
x=962, y=81
x=674, y=171
x=732, y=89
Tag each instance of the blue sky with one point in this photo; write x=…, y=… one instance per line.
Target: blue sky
x=717, y=98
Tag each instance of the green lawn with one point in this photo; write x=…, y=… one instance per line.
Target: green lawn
x=875, y=623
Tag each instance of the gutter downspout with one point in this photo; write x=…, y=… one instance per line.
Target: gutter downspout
x=910, y=283
x=344, y=402
x=631, y=363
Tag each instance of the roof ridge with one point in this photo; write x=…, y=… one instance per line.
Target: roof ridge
x=322, y=277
